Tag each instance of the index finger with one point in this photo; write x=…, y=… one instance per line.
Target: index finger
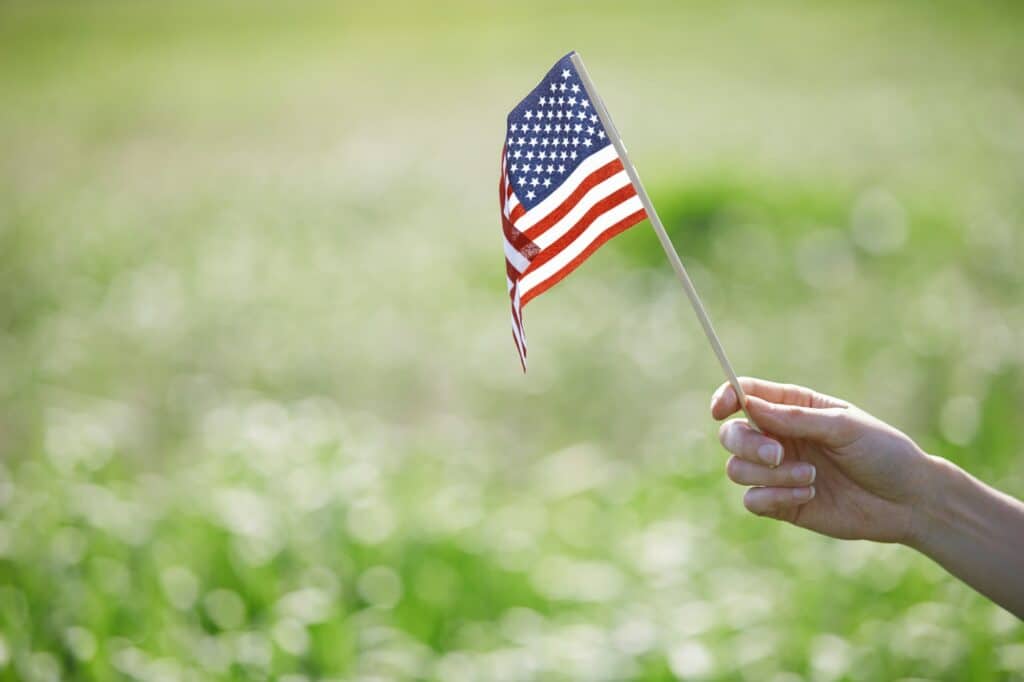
x=725, y=403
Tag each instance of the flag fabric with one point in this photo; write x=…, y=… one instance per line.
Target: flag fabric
x=563, y=189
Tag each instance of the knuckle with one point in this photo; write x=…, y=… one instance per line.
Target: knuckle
x=841, y=422
x=792, y=412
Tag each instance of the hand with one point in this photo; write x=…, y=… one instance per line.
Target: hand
x=821, y=463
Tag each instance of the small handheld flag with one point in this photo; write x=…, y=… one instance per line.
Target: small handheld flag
x=563, y=189
x=567, y=186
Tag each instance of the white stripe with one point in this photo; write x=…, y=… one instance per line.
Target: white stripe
x=519, y=338
x=512, y=202
x=518, y=260
x=555, y=199
x=517, y=329
x=599, y=192
x=599, y=226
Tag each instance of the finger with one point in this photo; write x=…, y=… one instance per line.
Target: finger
x=724, y=402
x=771, y=501
x=832, y=426
x=788, y=475
x=739, y=438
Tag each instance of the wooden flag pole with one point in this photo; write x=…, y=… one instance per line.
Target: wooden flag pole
x=666, y=243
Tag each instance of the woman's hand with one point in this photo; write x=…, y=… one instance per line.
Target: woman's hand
x=821, y=463
x=825, y=465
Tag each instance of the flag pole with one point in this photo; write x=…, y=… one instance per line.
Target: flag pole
x=666, y=243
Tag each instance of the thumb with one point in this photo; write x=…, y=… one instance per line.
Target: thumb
x=830, y=425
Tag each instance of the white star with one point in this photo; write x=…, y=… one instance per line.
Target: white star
x=555, y=142
x=551, y=168
x=544, y=142
x=513, y=168
x=536, y=127
x=582, y=115
x=521, y=141
x=565, y=140
x=558, y=127
x=593, y=118
x=538, y=168
x=575, y=88
x=566, y=73
x=516, y=154
x=543, y=155
x=572, y=101
x=573, y=154
x=547, y=128
x=584, y=103
x=590, y=130
x=559, y=114
x=533, y=141
x=561, y=101
x=561, y=167
x=587, y=142
x=551, y=114
x=554, y=87
x=561, y=88
x=529, y=154
x=534, y=182
x=528, y=115
x=578, y=127
x=514, y=127
x=543, y=101
x=564, y=155
x=600, y=134
x=575, y=142
x=522, y=180
x=531, y=194
x=547, y=182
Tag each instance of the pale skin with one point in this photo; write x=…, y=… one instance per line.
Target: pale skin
x=828, y=466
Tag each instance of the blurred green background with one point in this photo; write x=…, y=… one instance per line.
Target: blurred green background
x=261, y=413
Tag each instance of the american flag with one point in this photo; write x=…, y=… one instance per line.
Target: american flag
x=563, y=190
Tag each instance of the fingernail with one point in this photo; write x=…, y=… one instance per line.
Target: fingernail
x=770, y=454
x=804, y=472
x=803, y=494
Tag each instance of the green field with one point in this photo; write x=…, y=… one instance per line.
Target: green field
x=261, y=413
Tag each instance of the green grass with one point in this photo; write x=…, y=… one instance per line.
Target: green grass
x=261, y=413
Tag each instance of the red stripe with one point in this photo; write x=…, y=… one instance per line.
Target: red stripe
x=608, y=203
x=516, y=316
x=600, y=175
x=522, y=359
x=519, y=241
x=501, y=183
x=616, y=229
x=518, y=322
x=512, y=273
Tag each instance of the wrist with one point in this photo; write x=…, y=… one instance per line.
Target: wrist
x=933, y=509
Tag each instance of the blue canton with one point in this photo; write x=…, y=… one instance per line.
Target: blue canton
x=550, y=133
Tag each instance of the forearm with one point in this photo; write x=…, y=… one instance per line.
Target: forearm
x=974, y=531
